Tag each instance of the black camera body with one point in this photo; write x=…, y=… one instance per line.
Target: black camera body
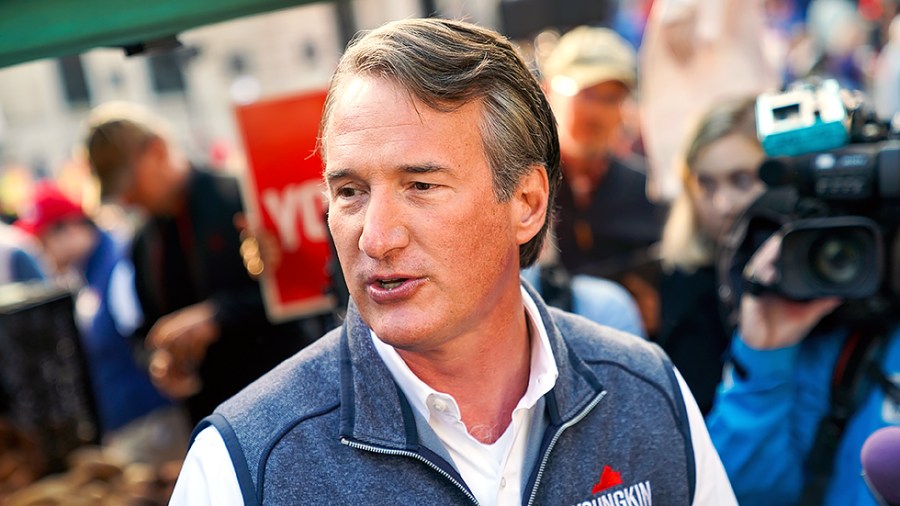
x=835, y=199
x=847, y=212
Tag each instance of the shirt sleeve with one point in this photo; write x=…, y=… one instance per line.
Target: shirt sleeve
x=712, y=485
x=207, y=477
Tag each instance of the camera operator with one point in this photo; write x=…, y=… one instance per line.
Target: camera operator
x=804, y=389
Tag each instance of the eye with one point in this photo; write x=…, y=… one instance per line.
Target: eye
x=346, y=192
x=420, y=186
x=743, y=180
x=707, y=184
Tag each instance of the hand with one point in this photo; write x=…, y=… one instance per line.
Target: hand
x=185, y=334
x=175, y=380
x=260, y=249
x=769, y=321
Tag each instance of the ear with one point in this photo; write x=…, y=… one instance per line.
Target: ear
x=530, y=203
x=156, y=149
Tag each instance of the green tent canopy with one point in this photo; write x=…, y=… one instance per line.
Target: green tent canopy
x=33, y=29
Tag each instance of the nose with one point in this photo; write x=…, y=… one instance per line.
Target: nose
x=724, y=201
x=384, y=228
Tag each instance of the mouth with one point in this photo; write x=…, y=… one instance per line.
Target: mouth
x=390, y=284
x=392, y=288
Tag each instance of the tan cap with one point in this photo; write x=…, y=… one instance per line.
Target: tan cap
x=586, y=56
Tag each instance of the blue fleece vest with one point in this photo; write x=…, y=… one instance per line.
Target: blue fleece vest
x=330, y=426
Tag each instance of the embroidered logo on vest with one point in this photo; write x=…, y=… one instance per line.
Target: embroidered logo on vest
x=608, y=479
x=638, y=494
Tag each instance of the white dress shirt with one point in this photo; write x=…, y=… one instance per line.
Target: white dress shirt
x=494, y=472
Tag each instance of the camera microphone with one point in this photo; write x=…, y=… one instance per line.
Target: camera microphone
x=880, y=457
x=779, y=171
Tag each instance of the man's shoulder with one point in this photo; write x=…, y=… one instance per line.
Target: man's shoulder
x=214, y=184
x=625, y=189
x=204, y=176
x=303, y=385
x=607, y=302
x=146, y=233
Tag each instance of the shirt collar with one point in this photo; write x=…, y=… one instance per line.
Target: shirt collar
x=542, y=377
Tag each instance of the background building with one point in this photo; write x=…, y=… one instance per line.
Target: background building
x=196, y=86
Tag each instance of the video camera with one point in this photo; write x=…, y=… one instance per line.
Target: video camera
x=833, y=172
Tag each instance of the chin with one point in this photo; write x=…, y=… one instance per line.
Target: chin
x=405, y=332
x=391, y=322
x=402, y=338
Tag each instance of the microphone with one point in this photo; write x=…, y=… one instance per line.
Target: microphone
x=880, y=457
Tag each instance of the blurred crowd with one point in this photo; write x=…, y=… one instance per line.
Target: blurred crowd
x=660, y=155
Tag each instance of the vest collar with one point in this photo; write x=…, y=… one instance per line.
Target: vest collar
x=375, y=411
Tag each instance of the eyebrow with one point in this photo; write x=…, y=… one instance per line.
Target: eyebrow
x=426, y=168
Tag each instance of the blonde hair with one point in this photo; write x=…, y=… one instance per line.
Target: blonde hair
x=684, y=244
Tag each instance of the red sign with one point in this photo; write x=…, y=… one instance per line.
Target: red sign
x=284, y=195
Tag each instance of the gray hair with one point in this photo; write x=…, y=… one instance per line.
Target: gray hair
x=446, y=64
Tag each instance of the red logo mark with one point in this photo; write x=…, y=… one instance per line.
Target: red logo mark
x=608, y=478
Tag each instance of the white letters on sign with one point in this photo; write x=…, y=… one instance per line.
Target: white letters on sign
x=304, y=201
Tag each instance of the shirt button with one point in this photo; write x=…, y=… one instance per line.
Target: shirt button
x=502, y=482
x=440, y=405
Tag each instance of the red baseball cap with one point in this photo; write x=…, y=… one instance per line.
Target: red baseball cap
x=49, y=205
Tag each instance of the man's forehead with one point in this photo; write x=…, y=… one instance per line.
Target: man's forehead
x=378, y=125
x=360, y=89
x=363, y=98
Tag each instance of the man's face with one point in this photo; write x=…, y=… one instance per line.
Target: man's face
x=150, y=187
x=427, y=251
x=67, y=242
x=589, y=119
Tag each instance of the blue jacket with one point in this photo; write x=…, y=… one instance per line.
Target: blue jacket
x=122, y=388
x=17, y=263
x=331, y=423
x=763, y=422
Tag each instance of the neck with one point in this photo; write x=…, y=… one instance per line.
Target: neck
x=487, y=377
x=177, y=199
x=591, y=163
x=584, y=174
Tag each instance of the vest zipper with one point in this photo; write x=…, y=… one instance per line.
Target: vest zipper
x=404, y=453
x=584, y=412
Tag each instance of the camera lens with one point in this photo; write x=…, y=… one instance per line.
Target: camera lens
x=835, y=256
x=839, y=258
